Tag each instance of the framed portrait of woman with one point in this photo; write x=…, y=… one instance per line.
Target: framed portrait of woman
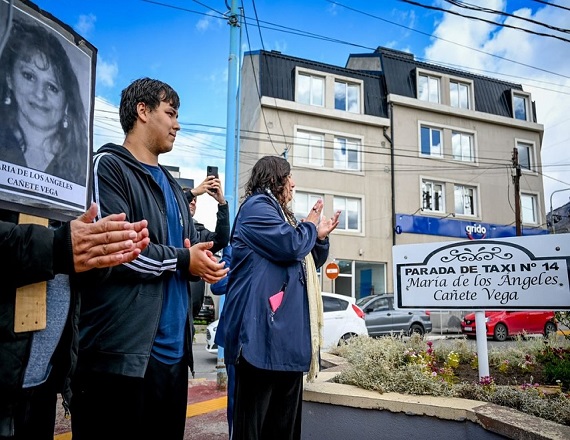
x=47, y=89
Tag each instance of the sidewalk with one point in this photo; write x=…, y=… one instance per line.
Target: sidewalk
x=205, y=416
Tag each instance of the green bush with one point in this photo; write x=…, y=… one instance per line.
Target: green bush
x=556, y=361
x=414, y=366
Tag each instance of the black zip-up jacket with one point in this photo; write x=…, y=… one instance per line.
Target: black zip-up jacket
x=120, y=310
x=30, y=254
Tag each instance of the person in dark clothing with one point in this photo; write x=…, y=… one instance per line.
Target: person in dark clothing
x=272, y=319
x=218, y=289
x=135, y=345
x=36, y=365
x=221, y=236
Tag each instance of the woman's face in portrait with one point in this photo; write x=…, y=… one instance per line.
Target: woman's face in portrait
x=37, y=91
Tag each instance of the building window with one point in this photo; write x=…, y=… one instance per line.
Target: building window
x=310, y=89
x=465, y=197
x=428, y=88
x=462, y=146
x=521, y=106
x=350, y=216
x=525, y=153
x=430, y=141
x=346, y=154
x=433, y=194
x=309, y=149
x=529, y=208
x=347, y=97
x=460, y=94
x=303, y=203
x=358, y=279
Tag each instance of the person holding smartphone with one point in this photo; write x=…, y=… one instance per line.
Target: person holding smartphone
x=220, y=236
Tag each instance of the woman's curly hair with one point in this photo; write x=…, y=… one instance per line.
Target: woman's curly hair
x=271, y=173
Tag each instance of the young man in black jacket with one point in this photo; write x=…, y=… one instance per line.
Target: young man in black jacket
x=135, y=342
x=36, y=365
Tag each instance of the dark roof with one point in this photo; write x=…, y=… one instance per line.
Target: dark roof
x=277, y=80
x=491, y=95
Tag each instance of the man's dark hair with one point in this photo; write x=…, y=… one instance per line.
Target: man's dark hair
x=149, y=91
x=270, y=172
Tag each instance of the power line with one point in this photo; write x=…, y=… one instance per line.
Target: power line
x=494, y=23
x=504, y=14
x=554, y=5
x=448, y=41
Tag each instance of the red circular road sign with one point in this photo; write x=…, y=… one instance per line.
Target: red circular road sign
x=332, y=270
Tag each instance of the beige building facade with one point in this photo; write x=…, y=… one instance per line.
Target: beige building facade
x=411, y=153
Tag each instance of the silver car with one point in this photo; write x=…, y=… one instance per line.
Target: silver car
x=382, y=319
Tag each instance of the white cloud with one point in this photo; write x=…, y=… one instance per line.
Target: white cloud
x=280, y=46
x=106, y=72
x=546, y=83
x=208, y=21
x=85, y=24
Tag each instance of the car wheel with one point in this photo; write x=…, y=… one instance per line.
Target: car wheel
x=416, y=328
x=500, y=333
x=344, y=338
x=550, y=328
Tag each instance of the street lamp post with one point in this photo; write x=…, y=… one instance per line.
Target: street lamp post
x=551, y=218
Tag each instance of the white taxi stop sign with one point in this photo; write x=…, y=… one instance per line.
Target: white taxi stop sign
x=515, y=273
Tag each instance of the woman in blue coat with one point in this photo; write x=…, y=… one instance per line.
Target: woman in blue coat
x=272, y=317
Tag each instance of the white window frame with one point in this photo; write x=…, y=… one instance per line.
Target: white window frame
x=435, y=151
x=459, y=150
x=432, y=190
x=429, y=87
x=314, y=81
x=303, y=202
x=349, y=206
x=466, y=197
x=530, y=149
x=463, y=87
x=314, y=145
x=352, y=146
x=529, y=208
x=517, y=97
x=348, y=88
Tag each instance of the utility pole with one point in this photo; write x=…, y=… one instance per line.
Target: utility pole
x=232, y=150
x=552, y=227
x=516, y=181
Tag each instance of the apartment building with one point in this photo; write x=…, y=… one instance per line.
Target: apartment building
x=409, y=151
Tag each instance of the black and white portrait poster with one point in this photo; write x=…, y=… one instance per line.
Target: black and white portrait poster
x=47, y=88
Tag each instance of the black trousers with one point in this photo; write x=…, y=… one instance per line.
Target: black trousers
x=34, y=413
x=110, y=406
x=267, y=404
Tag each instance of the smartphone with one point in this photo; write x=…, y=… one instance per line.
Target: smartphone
x=212, y=171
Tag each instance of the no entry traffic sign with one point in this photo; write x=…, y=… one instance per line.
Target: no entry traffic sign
x=332, y=270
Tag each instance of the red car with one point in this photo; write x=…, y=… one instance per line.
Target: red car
x=501, y=324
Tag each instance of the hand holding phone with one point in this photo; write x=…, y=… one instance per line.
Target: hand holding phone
x=212, y=171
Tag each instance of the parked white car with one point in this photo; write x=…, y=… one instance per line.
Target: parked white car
x=343, y=319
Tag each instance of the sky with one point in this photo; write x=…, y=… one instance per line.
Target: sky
x=186, y=43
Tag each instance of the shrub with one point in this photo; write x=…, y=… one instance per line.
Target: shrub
x=556, y=361
x=414, y=366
